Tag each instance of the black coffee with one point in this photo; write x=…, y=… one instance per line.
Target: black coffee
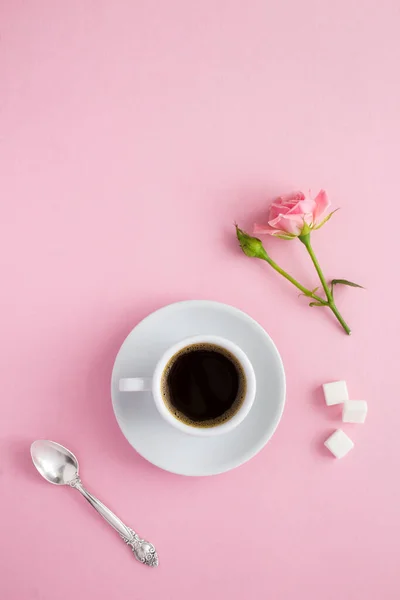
x=203, y=385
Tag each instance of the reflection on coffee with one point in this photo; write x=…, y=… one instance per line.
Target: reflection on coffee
x=203, y=385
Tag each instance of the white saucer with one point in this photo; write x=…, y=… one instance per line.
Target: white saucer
x=156, y=440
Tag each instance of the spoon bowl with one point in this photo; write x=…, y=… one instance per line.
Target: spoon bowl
x=54, y=462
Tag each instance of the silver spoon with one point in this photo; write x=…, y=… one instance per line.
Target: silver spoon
x=60, y=467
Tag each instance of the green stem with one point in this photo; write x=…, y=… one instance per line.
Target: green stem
x=305, y=239
x=292, y=280
x=339, y=317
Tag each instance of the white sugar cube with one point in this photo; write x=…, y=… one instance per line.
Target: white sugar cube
x=354, y=411
x=339, y=443
x=335, y=392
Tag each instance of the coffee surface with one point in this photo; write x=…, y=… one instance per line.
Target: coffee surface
x=203, y=385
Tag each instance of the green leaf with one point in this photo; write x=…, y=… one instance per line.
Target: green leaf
x=325, y=220
x=316, y=304
x=345, y=282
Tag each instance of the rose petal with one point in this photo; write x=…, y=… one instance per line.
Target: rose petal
x=277, y=209
x=285, y=204
x=304, y=207
x=288, y=223
x=321, y=205
x=294, y=197
x=262, y=229
x=288, y=203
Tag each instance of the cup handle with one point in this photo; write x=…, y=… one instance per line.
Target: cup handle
x=135, y=384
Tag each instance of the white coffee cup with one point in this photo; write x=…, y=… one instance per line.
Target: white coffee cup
x=153, y=384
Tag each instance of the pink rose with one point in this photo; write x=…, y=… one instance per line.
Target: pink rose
x=294, y=215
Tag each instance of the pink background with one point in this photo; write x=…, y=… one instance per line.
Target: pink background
x=133, y=134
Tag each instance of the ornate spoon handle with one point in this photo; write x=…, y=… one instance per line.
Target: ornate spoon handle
x=143, y=551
